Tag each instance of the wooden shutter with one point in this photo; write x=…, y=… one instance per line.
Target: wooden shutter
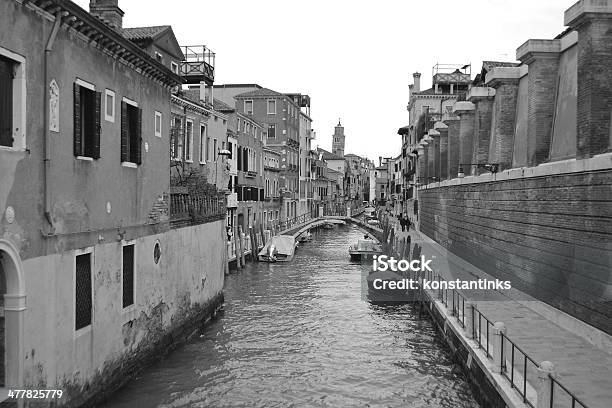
x=95, y=153
x=125, y=143
x=6, y=103
x=239, y=158
x=138, y=137
x=78, y=133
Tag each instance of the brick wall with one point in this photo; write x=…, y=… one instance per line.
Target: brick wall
x=483, y=117
x=549, y=235
x=594, y=87
x=543, y=77
x=453, y=148
x=504, y=108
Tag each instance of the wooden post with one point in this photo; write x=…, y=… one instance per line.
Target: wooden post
x=241, y=239
x=237, y=248
x=253, y=243
x=263, y=236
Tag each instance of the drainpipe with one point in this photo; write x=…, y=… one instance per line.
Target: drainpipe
x=46, y=135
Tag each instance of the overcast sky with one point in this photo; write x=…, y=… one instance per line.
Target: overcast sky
x=354, y=58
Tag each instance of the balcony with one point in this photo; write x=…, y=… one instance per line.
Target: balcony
x=199, y=64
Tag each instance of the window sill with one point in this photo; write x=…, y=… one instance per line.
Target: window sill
x=84, y=158
x=188, y=161
x=158, y=134
x=83, y=330
x=129, y=165
x=13, y=149
x=129, y=313
x=110, y=119
x=202, y=162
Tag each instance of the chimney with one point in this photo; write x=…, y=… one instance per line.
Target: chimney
x=417, y=82
x=108, y=11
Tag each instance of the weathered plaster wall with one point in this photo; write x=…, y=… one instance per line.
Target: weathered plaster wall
x=190, y=274
x=80, y=190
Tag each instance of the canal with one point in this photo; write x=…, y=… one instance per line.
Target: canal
x=299, y=335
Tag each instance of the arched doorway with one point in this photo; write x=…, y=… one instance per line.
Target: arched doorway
x=13, y=301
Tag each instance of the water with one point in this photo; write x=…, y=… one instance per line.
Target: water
x=299, y=335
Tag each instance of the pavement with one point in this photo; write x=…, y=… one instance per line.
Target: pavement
x=581, y=366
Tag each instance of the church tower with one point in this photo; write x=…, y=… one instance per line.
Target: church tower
x=338, y=140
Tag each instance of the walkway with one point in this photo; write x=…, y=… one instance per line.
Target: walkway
x=582, y=367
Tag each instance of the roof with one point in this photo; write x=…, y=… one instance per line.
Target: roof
x=107, y=38
x=325, y=155
x=259, y=93
x=221, y=106
x=489, y=65
x=144, y=33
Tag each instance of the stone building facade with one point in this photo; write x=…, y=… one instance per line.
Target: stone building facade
x=90, y=264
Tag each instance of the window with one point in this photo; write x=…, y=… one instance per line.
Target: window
x=238, y=127
x=127, y=280
x=86, y=120
x=176, y=139
x=131, y=125
x=425, y=109
x=158, y=124
x=158, y=57
x=203, y=144
x=13, y=101
x=272, y=131
x=189, y=141
x=82, y=291
x=271, y=107
x=248, y=107
x=215, y=149
x=109, y=105
x=174, y=67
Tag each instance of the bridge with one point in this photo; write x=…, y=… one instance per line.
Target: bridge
x=297, y=226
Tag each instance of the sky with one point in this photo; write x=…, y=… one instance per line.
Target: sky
x=354, y=58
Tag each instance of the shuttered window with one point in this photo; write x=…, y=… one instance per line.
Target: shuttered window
x=82, y=301
x=6, y=102
x=87, y=111
x=131, y=139
x=128, y=275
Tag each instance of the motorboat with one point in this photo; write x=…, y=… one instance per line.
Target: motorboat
x=305, y=237
x=364, y=249
x=280, y=248
x=328, y=226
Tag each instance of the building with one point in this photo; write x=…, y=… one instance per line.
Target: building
x=95, y=275
x=338, y=140
x=279, y=116
x=338, y=164
x=531, y=141
x=272, y=202
x=425, y=108
x=306, y=135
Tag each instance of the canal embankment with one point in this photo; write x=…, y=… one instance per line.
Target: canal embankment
x=516, y=351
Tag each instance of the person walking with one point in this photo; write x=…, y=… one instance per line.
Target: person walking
x=402, y=222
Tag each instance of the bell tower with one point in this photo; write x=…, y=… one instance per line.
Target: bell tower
x=338, y=140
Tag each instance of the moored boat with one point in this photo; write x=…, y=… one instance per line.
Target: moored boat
x=364, y=249
x=278, y=249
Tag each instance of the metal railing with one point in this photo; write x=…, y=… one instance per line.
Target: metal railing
x=569, y=398
x=477, y=330
x=517, y=378
x=184, y=206
x=516, y=365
